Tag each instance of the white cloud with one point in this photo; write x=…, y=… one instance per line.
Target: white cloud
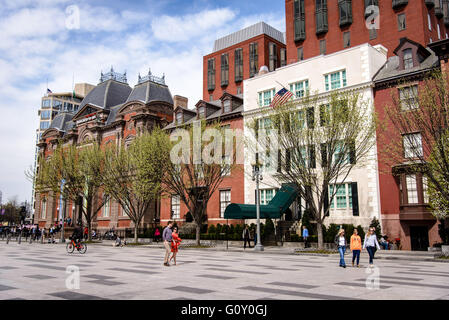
x=184, y=28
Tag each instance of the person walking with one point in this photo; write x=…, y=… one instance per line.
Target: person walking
x=167, y=238
x=246, y=237
x=370, y=244
x=340, y=241
x=355, y=246
x=305, y=236
x=176, y=241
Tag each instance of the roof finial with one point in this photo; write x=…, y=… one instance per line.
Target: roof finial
x=149, y=71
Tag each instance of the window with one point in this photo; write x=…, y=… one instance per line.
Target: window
x=337, y=80
x=57, y=104
x=238, y=61
x=107, y=206
x=321, y=16
x=401, y=21
x=369, y=3
x=408, y=59
x=227, y=106
x=408, y=97
x=299, y=119
x=266, y=195
x=372, y=33
x=239, y=90
x=412, y=191
x=322, y=46
x=211, y=97
x=44, y=209
x=345, y=9
x=412, y=145
x=283, y=53
x=325, y=110
x=300, y=88
x=253, y=59
x=300, y=54
x=45, y=114
x=211, y=74
x=429, y=22
x=265, y=97
x=226, y=167
x=68, y=107
x=225, y=200
x=179, y=118
x=300, y=23
x=305, y=156
x=264, y=124
x=425, y=190
x=175, y=207
x=224, y=69
x=346, y=39
x=273, y=58
x=44, y=125
x=343, y=196
x=201, y=112
x=46, y=103
x=439, y=32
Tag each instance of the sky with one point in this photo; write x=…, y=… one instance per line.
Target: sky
x=43, y=41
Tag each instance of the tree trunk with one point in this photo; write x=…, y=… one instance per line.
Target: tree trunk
x=198, y=230
x=319, y=226
x=136, y=228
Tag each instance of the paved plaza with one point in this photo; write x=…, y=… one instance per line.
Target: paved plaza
x=36, y=271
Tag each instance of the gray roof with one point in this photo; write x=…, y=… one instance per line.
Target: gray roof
x=150, y=91
x=390, y=68
x=113, y=114
x=107, y=94
x=62, y=121
x=248, y=33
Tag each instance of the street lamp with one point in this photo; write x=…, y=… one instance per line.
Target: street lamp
x=257, y=176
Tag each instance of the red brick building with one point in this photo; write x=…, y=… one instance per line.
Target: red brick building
x=239, y=56
x=227, y=110
x=315, y=27
x=405, y=212
x=112, y=112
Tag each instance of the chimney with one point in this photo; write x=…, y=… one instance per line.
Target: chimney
x=180, y=101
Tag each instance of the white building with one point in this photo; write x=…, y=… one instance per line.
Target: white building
x=350, y=69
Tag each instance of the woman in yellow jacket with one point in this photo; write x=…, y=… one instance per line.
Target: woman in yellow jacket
x=356, y=247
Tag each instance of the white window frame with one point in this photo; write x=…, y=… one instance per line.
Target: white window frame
x=348, y=196
x=412, y=189
x=264, y=100
x=410, y=142
x=225, y=200
x=408, y=96
x=299, y=88
x=263, y=199
x=44, y=209
x=175, y=203
x=342, y=80
x=107, y=207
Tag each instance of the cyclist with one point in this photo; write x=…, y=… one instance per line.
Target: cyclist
x=77, y=235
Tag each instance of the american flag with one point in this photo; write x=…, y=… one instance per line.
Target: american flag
x=281, y=97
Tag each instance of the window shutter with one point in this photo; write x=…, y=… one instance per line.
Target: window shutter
x=355, y=199
x=326, y=202
x=352, y=153
x=323, y=155
x=310, y=118
x=312, y=157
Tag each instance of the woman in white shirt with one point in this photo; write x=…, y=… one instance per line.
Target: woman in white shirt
x=340, y=241
x=370, y=244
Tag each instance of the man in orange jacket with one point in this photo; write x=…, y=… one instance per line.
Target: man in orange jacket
x=356, y=247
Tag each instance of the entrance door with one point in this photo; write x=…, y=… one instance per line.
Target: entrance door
x=419, y=237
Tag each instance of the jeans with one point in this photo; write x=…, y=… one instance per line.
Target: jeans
x=371, y=254
x=355, y=254
x=245, y=240
x=385, y=245
x=342, y=250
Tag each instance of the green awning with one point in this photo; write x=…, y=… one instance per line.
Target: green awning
x=274, y=209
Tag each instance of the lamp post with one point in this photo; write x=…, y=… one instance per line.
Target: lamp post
x=257, y=176
x=62, y=206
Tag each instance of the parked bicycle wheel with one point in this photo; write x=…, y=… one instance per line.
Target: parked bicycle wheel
x=70, y=247
x=83, y=248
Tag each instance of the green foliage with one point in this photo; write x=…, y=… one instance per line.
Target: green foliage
x=361, y=232
x=212, y=229
x=305, y=221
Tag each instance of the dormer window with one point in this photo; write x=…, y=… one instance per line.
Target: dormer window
x=201, y=112
x=227, y=106
x=408, y=59
x=179, y=118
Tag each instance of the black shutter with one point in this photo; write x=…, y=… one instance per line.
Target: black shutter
x=352, y=153
x=312, y=157
x=310, y=118
x=326, y=202
x=355, y=199
x=323, y=155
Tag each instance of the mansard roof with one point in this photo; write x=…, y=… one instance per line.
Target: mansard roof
x=62, y=121
x=107, y=94
x=150, y=91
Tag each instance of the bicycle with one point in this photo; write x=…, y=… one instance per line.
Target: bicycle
x=81, y=247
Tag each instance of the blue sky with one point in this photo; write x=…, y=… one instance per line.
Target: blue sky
x=39, y=41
